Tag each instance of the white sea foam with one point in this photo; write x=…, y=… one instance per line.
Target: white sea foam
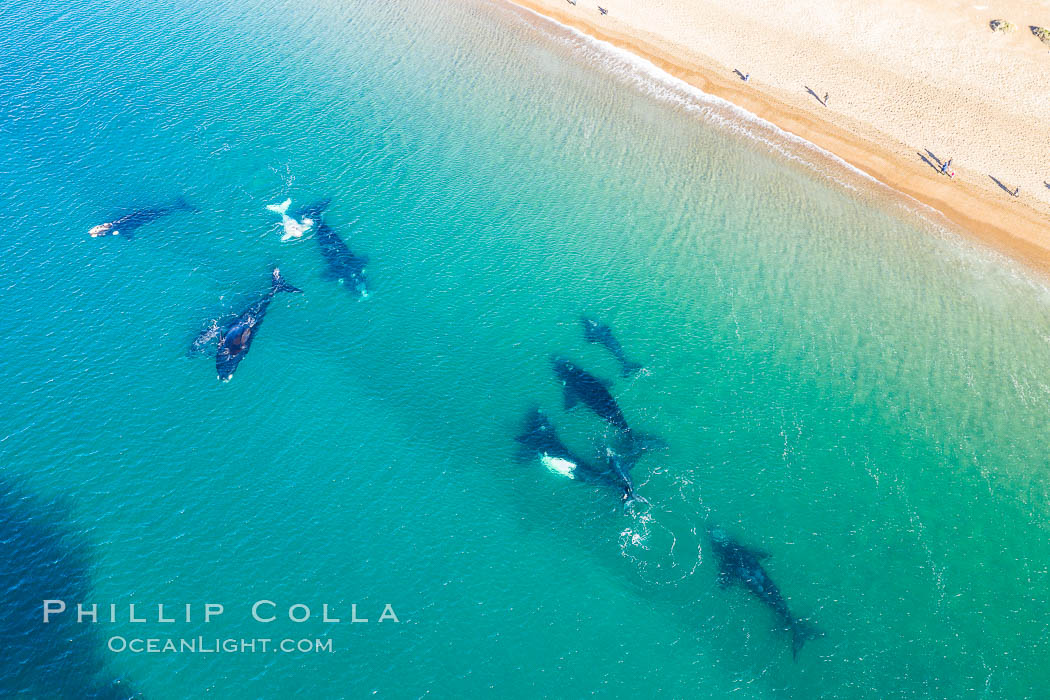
x=661, y=85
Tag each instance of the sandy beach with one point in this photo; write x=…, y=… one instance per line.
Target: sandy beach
x=909, y=85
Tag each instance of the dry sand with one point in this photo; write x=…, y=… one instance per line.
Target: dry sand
x=902, y=76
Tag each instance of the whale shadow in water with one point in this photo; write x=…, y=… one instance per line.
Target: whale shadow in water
x=44, y=560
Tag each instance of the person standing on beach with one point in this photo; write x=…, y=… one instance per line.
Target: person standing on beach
x=944, y=166
x=1017, y=191
x=825, y=99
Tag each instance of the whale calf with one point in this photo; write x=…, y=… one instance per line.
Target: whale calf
x=292, y=228
x=741, y=565
x=128, y=224
x=597, y=332
x=340, y=262
x=539, y=439
x=235, y=338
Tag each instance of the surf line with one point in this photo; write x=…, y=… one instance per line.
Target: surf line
x=647, y=74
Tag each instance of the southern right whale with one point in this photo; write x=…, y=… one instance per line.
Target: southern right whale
x=597, y=332
x=292, y=228
x=235, y=338
x=539, y=439
x=340, y=262
x=581, y=385
x=741, y=565
x=129, y=223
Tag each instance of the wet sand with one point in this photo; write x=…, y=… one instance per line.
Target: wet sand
x=911, y=83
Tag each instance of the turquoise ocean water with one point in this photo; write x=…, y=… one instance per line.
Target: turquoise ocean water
x=839, y=382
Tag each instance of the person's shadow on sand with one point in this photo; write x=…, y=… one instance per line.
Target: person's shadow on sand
x=931, y=160
x=1006, y=189
x=817, y=97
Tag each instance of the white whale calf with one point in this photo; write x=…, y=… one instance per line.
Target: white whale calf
x=292, y=228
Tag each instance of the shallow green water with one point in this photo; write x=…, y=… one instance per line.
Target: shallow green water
x=838, y=382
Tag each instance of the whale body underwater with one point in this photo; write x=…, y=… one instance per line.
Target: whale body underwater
x=341, y=263
x=581, y=385
x=128, y=224
x=539, y=439
x=599, y=333
x=742, y=565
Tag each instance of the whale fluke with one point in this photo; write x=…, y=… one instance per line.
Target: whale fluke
x=636, y=443
x=597, y=332
x=281, y=208
x=184, y=205
x=630, y=368
x=279, y=285
x=801, y=632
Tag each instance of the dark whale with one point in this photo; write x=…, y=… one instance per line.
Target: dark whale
x=539, y=439
x=581, y=385
x=598, y=332
x=340, y=262
x=741, y=565
x=129, y=223
x=235, y=338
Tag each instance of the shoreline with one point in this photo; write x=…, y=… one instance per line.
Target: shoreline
x=1015, y=228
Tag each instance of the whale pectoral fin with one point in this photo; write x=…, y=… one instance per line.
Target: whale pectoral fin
x=571, y=398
